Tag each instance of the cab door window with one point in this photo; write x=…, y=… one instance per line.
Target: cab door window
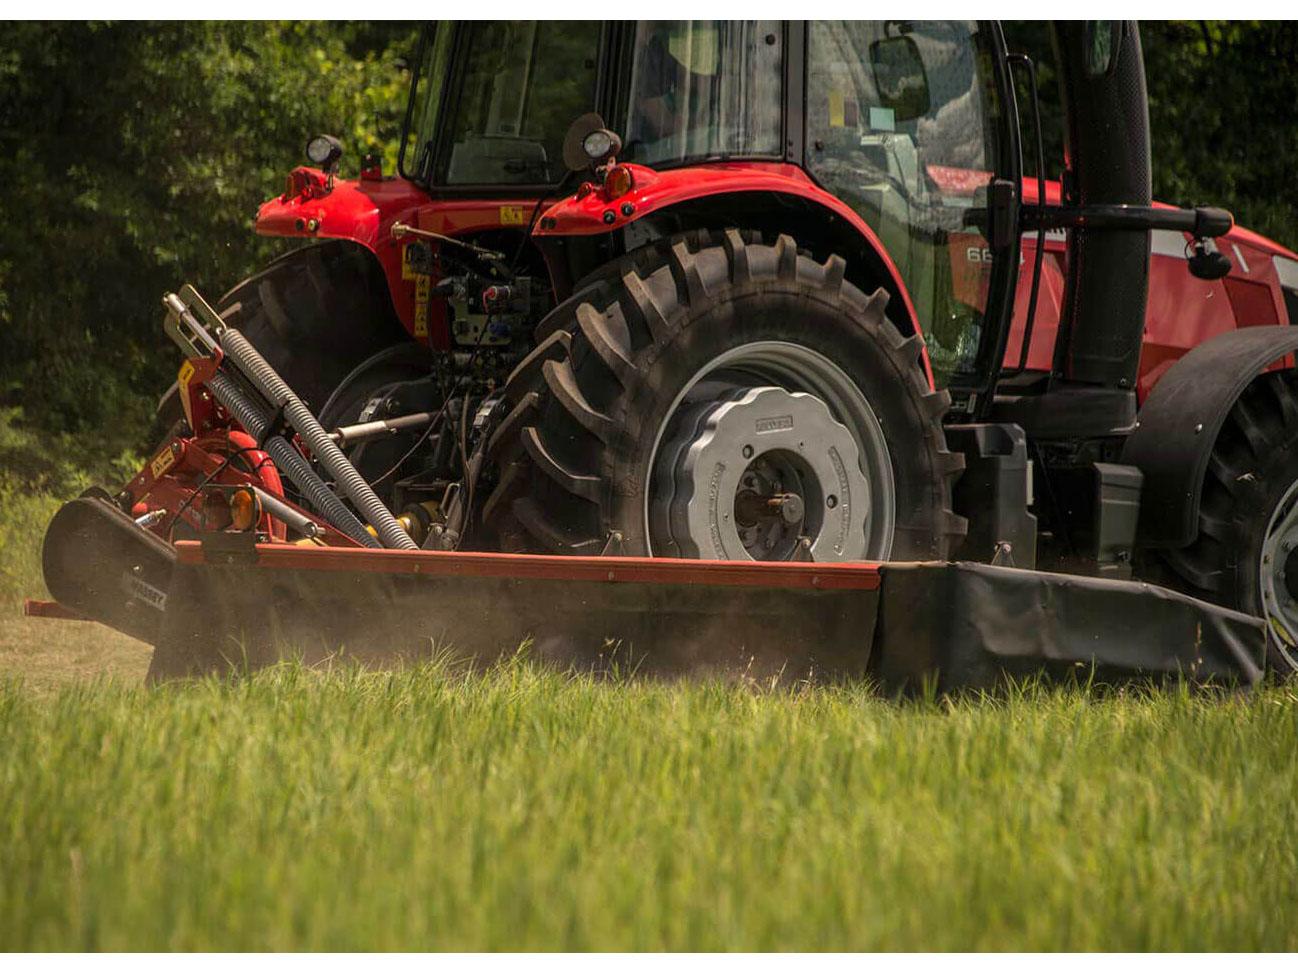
x=900, y=126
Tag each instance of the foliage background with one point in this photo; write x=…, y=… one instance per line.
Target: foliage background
x=133, y=155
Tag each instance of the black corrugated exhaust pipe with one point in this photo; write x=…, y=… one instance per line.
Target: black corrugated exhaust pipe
x=1102, y=74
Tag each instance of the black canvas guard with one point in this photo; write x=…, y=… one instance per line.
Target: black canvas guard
x=970, y=625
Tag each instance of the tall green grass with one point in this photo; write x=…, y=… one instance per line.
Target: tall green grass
x=520, y=809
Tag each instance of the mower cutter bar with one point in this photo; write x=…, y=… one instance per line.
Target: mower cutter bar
x=235, y=606
x=226, y=604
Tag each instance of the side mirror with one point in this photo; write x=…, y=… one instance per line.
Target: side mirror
x=900, y=78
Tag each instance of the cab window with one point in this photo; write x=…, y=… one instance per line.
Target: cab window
x=520, y=85
x=900, y=126
x=704, y=89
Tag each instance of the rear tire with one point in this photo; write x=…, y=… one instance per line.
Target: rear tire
x=381, y=460
x=1241, y=558
x=596, y=405
x=315, y=314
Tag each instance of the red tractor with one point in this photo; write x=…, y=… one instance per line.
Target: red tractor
x=744, y=291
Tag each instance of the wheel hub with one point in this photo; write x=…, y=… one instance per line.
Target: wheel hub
x=770, y=520
x=755, y=472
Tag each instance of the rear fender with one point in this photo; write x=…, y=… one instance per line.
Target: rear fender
x=361, y=211
x=825, y=220
x=1180, y=422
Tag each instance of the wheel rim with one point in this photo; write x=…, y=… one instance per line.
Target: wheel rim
x=1278, y=576
x=770, y=452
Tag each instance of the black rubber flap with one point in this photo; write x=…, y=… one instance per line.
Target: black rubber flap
x=99, y=562
x=225, y=617
x=970, y=625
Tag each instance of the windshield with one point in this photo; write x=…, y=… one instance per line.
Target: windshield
x=515, y=89
x=703, y=89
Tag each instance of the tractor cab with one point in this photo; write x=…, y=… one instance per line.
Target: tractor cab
x=897, y=129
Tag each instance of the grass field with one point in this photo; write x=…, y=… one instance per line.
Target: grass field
x=528, y=810
x=524, y=809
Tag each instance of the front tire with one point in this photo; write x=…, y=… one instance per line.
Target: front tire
x=1244, y=556
x=625, y=418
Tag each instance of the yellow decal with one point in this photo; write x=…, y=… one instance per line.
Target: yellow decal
x=513, y=216
x=837, y=114
x=162, y=462
x=423, y=283
x=406, y=272
x=182, y=387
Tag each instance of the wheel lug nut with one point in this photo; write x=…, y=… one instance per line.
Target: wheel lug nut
x=831, y=501
x=748, y=452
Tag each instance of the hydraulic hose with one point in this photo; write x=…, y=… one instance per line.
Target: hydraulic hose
x=290, y=462
x=267, y=381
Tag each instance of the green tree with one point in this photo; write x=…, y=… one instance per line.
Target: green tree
x=1221, y=112
x=133, y=157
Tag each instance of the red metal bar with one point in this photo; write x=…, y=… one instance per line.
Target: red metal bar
x=36, y=608
x=744, y=574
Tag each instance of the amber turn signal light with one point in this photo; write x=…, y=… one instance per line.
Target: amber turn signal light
x=245, y=510
x=617, y=182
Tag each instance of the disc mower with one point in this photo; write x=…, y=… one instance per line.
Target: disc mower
x=728, y=345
